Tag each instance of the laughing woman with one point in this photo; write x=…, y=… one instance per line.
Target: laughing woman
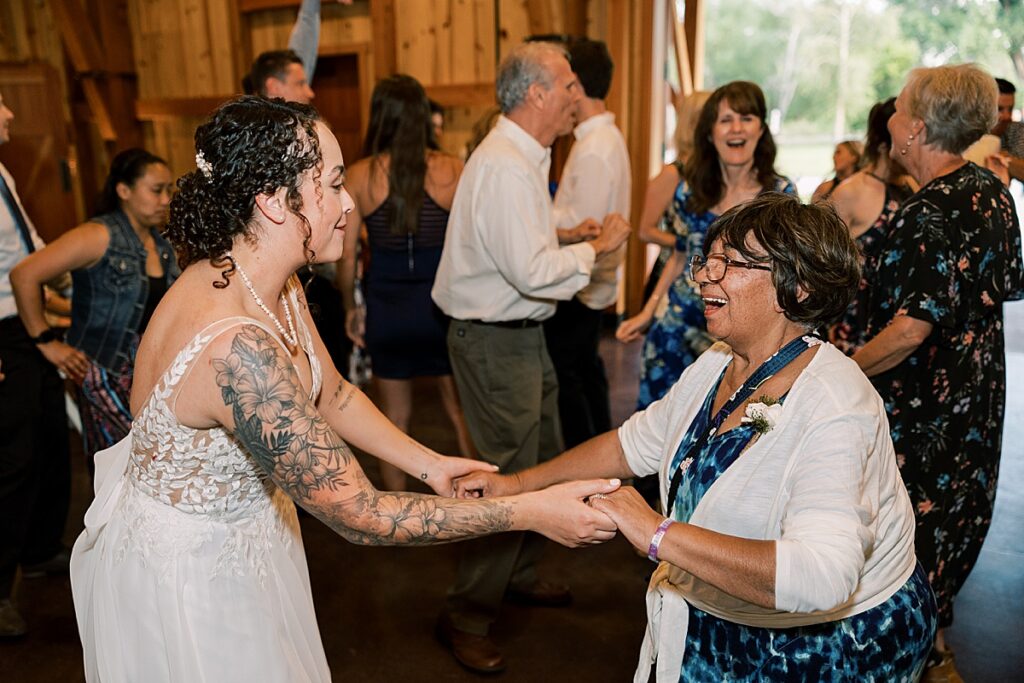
x=788, y=549
x=733, y=161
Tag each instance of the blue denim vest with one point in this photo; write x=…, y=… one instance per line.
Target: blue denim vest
x=110, y=296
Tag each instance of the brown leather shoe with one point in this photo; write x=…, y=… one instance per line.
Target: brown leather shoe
x=476, y=653
x=541, y=594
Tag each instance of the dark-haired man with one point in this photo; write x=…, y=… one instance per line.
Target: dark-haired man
x=595, y=183
x=288, y=73
x=1010, y=132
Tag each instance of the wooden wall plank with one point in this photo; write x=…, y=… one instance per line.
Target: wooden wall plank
x=462, y=94
x=471, y=41
x=416, y=39
x=513, y=25
x=385, y=41
x=223, y=35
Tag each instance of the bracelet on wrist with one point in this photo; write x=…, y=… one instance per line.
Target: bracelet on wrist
x=46, y=336
x=659, y=534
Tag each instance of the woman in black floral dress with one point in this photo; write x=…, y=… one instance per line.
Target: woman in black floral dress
x=952, y=256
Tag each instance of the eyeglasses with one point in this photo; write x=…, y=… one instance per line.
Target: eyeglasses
x=718, y=264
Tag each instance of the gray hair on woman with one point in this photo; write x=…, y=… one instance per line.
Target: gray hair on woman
x=956, y=102
x=521, y=68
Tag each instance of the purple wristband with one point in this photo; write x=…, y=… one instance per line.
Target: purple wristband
x=652, y=549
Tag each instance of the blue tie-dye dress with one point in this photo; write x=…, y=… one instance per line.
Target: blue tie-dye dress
x=889, y=642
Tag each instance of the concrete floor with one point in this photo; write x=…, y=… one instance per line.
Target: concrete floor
x=376, y=606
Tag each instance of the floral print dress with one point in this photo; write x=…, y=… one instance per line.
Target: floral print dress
x=680, y=335
x=952, y=256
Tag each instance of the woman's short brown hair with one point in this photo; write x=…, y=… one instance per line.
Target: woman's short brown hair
x=815, y=263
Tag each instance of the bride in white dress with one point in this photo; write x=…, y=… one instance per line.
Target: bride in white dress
x=191, y=566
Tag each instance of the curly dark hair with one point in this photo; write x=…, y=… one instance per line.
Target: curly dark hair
x=809, y=249
x=250, y=146
x=703, y=172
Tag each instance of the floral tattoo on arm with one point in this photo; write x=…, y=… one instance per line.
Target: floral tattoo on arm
x=289, y=439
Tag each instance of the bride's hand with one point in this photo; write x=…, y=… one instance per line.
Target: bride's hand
x=631, y=514
x=447, y=469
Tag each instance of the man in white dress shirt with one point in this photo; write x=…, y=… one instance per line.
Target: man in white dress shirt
x=35, y=467
x=594, y=184
x=501, y=272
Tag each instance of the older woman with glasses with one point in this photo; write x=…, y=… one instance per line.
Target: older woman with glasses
x=788, y=549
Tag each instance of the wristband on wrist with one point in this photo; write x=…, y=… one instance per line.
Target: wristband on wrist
x=46, y=336
x=659, y=534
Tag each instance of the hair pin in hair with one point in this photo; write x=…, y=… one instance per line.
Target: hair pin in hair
x=203, y=165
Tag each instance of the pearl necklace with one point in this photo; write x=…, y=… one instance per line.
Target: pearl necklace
x=293, y=338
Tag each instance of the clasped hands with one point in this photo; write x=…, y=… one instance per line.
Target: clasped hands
x=576, y=513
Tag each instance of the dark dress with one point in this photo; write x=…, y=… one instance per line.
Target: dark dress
x=952, y=256
x=850, y=332
x=405, y=330
x=888, y=642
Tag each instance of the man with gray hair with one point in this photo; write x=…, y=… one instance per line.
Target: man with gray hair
x=501, y=272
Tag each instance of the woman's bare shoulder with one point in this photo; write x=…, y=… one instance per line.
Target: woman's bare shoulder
x=443, y=172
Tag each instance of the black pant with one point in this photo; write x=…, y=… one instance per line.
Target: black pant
x=35, y=459
x=572, y=336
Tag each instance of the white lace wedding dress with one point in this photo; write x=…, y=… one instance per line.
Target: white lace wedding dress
x=191, y=566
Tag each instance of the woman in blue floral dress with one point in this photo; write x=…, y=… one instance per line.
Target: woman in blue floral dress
x=733, y=161
x=952, y=256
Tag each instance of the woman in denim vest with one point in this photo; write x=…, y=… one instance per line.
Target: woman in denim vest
x=120, y=267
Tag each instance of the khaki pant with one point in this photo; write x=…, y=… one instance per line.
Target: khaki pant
x=509, y=393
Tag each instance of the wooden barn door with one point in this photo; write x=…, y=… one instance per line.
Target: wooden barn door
x=38, y=153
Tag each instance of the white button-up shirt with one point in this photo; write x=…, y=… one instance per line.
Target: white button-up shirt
x=12, y=248
x=596, y=182
x=501, y=258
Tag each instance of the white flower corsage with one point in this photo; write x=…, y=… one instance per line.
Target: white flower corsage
x=203, y=165
x=763, y=413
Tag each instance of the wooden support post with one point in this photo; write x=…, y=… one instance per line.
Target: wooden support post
x=641, y=67
x=694, y=23
x=682, y=50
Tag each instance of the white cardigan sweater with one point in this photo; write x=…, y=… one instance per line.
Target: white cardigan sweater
x=823, y=483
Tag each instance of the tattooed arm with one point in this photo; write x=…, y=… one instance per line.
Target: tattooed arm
x=354, y=417
x=263, y=403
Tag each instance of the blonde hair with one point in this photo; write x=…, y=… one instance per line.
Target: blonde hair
x=956, y=102
x=687, y=115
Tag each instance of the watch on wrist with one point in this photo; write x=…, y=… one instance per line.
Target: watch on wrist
x=46, y=336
